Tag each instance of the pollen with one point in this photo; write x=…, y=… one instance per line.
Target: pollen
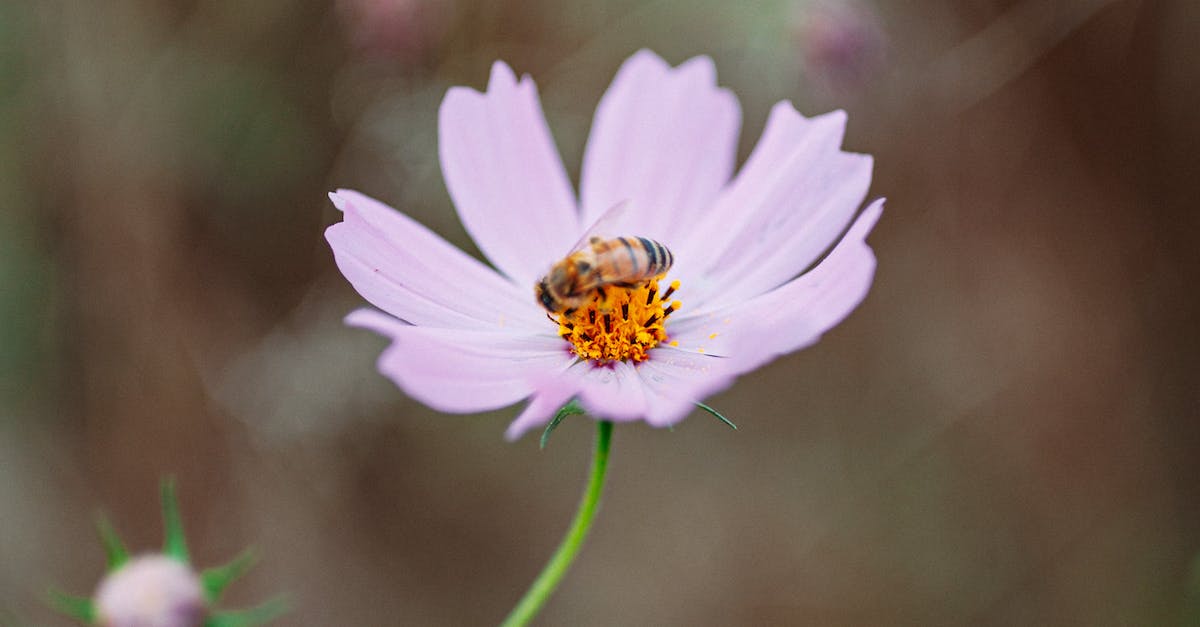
x=619, y=323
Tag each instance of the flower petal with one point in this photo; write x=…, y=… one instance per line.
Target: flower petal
x=611, y=392
x=796, y=314
x=664, y=139
x=505, y=175
x=795, y=195
x=676, y=380
x=550, y=396
x=458, y=371
x=662, y=390
x=408, y=271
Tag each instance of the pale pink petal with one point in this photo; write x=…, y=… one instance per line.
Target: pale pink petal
x=710, y=333
x=662, y=390
x=505, y=175
x=795, y=314
x=664, y=139
x=408, y=271
x=795, y=195
x=675, y=380
x=459, y=371
x=611, y=392
x=550, y=396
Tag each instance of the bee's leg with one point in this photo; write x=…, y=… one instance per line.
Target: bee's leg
x=626, y=285
x=600, y=292
x=569, y=312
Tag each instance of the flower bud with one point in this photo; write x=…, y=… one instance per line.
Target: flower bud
x=399, y=30
x=841, y=42
x=150, y=591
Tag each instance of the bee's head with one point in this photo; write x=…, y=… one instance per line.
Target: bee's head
x=544, y=296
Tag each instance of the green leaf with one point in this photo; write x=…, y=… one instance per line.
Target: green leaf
x=174, y=542
x=570, y=409
x=718, y=415
x=260, y=615
x=80, y=608
x=114, y=548
x=216, y=579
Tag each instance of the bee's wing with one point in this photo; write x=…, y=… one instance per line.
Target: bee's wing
x=605, y=226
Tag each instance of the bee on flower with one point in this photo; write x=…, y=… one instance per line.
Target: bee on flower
x=683, y=275
x=620, y=261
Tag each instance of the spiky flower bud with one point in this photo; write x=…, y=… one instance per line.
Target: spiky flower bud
x=150, y=591
x=162, y=589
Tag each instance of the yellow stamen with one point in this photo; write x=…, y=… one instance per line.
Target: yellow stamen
x=622, y=326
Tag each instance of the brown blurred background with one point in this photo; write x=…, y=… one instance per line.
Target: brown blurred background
x=1004, y=433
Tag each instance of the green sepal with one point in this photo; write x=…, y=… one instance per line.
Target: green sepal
x=259, y=615
x=570, y=409
x=80, y=608
x=114, y=549
x=174, y=542
x=718, y=415
x=217, y=578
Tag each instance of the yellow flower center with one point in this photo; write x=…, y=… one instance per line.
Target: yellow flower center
x=619, y=323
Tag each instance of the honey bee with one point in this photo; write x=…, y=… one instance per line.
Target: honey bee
x=619, y=261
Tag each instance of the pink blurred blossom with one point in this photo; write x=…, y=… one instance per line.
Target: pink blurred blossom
x=403, y=30
x=469, y=338
x=150, y=591
x=842, y=43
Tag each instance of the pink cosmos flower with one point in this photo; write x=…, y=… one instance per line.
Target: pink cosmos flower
x=469, y=338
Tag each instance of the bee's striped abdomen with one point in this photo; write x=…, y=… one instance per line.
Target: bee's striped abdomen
x=623, y=262
x=660, y=257
x=631, y=259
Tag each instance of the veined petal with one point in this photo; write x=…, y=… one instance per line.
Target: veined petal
x=408, y=271
x=505, y=175
x=460, y=371
x=675, y=380
x=550, y=395
x=795, y=195
x=665, y=139
x=662, y=390
x=796, y=314
x=611, y=392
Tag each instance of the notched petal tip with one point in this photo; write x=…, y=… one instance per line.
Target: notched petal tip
x=866, y=220
x=836, y=115
x=785, y=114
x=835, y=124
x=338, y=200
x=646, y=60
x=456, y=100
x=645, y=57
x=702, y=65
x=501, y=76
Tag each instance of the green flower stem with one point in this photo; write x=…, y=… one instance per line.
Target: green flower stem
x=556, y=568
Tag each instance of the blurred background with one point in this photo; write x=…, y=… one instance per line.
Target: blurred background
x=1004, y=433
